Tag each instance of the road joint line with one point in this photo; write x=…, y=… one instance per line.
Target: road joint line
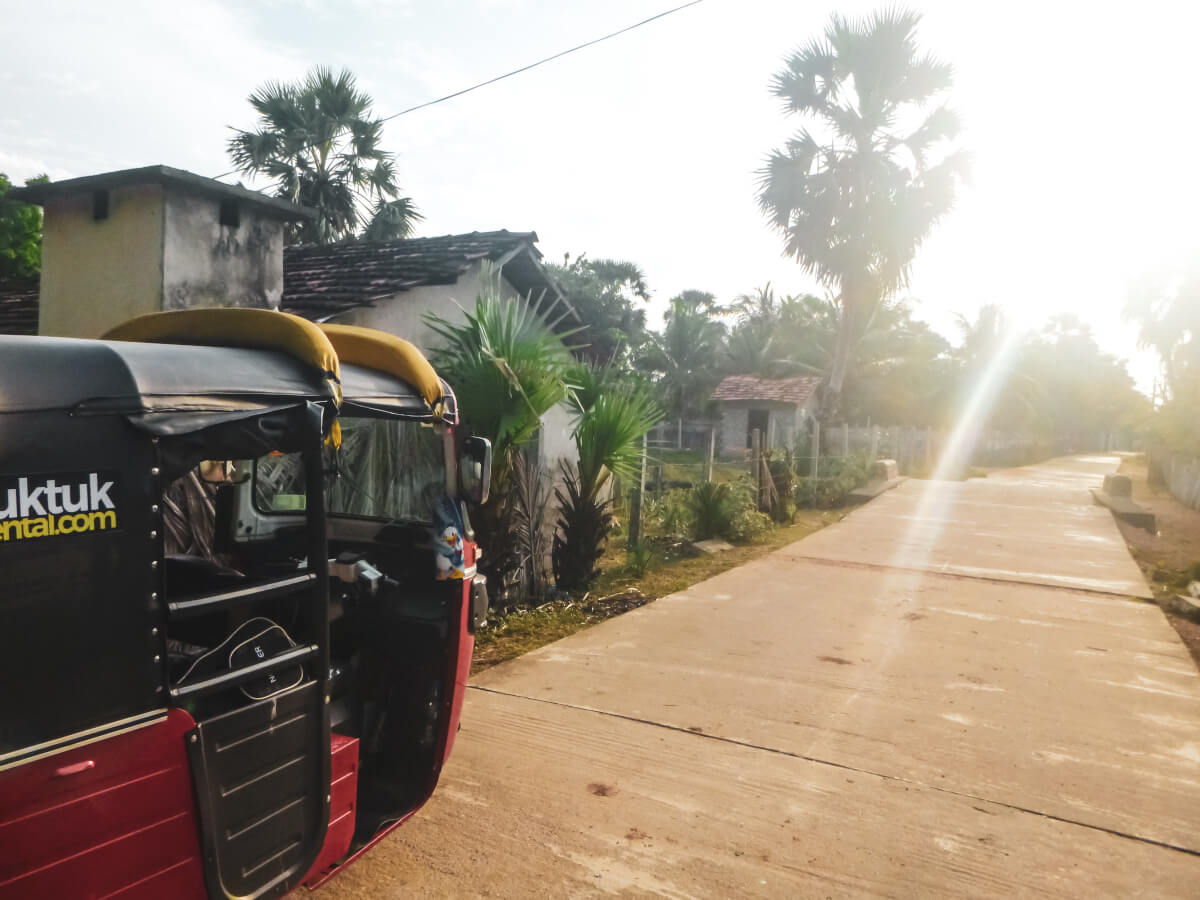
x=961, y=576
x=847, y=768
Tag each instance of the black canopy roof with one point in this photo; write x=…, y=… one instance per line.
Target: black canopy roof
x=163, y=388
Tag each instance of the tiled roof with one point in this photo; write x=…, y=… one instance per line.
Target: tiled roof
x=18, y=306
x=319, y=282
x=751, y=387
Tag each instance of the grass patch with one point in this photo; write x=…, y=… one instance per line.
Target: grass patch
x=672, y=567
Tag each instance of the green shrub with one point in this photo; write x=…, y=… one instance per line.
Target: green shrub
x=639, y=559
x=781, y=465
x=584, y=521
x=749, y=526
x=728, y=510
x=712, y=508
x=673, y=512
x=837, y=477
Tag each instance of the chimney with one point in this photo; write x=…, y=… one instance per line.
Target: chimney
x=125, y=243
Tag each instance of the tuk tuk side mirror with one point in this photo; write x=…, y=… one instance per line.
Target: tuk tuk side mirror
x=475, y=469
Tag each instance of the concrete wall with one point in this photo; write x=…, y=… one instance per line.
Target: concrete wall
x=555, y=442
x=209, y=264
x=731, y=437
x=159, y=248
x=97, y=274
x=404, y=313
x=1182, y=476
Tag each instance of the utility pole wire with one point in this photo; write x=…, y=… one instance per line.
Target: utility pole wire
x=532, y=65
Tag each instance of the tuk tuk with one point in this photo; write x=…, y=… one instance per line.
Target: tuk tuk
x=237, y=602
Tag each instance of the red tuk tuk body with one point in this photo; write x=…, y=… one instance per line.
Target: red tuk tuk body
x=175, y=728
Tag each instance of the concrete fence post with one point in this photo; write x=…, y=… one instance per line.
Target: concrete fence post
x=816, y=447
x=635, y=503
x=756, y=465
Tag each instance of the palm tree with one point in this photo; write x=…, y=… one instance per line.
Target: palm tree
x=615, y=412
x=318, y=142
x=608, y=296
x=508, y=368
x=686, y=355
x=855, y=196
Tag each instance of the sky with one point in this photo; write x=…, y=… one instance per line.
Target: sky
x=1080, y=118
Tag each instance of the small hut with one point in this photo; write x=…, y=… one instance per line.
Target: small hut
x=777, y=407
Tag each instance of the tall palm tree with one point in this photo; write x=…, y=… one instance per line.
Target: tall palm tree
x=316, y=139
x=686, y=355
x=858, y=188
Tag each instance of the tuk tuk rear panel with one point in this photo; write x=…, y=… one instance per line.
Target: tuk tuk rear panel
x=78, y=549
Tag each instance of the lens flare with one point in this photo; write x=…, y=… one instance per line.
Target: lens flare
x=915, y=546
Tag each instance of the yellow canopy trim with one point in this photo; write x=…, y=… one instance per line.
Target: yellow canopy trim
x=388, y=353
x=259, y=329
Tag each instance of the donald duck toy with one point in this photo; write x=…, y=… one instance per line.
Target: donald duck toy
x=449, y=549
x=447, y=542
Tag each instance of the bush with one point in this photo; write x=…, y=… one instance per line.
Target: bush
x=639, y=559
x=838, y=476
x=584, y=521
x=728, y=510
x=712, y=509
x=783, y=474
x=672, y=511
x=748, y=524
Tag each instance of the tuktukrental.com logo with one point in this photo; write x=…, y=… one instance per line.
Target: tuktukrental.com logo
x=50, y=507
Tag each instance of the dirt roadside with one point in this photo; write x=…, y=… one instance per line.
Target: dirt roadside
x=1167, y=555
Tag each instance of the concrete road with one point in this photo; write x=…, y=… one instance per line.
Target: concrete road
x=958, y=690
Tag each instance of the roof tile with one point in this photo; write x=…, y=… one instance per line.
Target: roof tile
x=321, y=281
x=18, y=306
x=782, y=390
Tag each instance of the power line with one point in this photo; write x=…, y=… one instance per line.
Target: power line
x=532, y=65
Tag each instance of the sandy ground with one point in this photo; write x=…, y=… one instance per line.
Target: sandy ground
x=961, y=689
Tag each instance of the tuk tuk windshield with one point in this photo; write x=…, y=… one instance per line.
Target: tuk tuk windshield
x=384, y=469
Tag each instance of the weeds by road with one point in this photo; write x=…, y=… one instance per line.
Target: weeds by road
x=1168, y=558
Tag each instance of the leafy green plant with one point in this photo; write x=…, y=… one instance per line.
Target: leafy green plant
x=20, y=233
x=783, y=474
x=508, y=368
x=530, y=499
x=727, y=510
x=747, y=524
x=584, y=521
x=838, y=476
x=712, y=507
x=615, y=414
x=507, y=365
x=639, y=559
x=672, y=511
